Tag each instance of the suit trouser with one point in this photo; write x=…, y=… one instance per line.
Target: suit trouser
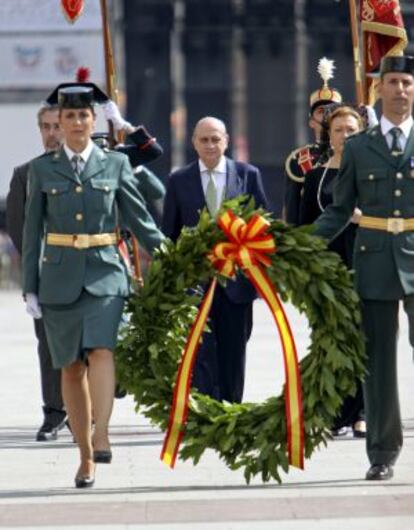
x=384, y=429
x=50, y=377
x=221, y=359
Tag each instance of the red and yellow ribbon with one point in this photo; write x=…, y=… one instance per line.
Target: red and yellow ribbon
x=248, y=247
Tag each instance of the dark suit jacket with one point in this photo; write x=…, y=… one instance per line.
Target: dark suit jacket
x=185, y=199
x=15, y=204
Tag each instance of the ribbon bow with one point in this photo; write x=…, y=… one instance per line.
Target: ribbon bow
x=248, y=247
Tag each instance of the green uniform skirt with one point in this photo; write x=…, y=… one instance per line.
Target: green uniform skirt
x=88, y=323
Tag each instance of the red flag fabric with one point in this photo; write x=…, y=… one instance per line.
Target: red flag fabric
x=383, y=34
x=72, y=9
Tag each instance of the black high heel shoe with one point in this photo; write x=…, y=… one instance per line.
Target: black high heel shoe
x=103, y=456
x=85, y=481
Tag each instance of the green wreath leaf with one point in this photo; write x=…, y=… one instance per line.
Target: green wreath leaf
x=248, y=435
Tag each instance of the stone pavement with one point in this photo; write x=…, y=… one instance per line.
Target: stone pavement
x=137, y=490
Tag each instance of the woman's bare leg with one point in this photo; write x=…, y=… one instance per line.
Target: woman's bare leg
x=101, y=375
x=75, y=392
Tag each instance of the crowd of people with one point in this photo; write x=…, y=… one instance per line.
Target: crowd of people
x=66, y=207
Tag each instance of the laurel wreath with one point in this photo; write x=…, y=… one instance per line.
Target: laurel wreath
x=251, y=436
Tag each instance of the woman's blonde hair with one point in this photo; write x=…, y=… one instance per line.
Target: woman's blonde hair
x=343, y=111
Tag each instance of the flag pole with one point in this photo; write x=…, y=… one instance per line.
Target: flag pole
x=356, y=52
x=109, y=67
x=112, y=92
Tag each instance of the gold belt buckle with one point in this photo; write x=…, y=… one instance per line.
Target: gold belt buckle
x=395, y=225
x=81, y=241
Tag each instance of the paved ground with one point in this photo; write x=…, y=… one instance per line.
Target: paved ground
x=137, y=490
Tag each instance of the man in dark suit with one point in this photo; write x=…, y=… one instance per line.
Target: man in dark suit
x=220, y=365
x=53, y=410
x=377, y=174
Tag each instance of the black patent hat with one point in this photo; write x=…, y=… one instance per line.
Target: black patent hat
x=143, y=149
x=403, y=64
x=76, y=95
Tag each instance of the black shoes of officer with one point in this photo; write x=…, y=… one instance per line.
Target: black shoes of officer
x=50, y=428
x=340, y=431
x=119, y=392
x=380, y=472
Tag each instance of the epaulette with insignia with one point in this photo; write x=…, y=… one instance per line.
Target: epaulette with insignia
x=46, y=153
x=371, y=131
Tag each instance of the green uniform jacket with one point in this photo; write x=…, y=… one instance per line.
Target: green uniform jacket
x=381, y=185
x=60, y=202
x=149, y=185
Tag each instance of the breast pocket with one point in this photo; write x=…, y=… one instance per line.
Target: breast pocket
x=102, y=195
x=57, y=193
x=372, y=187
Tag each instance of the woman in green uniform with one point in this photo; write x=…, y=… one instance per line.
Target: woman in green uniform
x=76, y=197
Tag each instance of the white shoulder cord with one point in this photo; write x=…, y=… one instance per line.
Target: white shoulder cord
x=318, y=195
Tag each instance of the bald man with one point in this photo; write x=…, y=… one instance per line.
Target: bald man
x=208, y=181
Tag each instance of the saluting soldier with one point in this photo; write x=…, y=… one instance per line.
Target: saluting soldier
x=141, y=149
x=75, y=197
x=301, y=160
x=377, y=174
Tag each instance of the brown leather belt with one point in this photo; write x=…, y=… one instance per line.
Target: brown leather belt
x=395, y=225
x=81, y=241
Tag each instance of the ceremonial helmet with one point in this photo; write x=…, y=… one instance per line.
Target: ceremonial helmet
x=326, y=94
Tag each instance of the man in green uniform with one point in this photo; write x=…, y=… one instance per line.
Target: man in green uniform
x=377, y=174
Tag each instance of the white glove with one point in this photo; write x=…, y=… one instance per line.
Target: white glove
x=372, y=116
x=32, y=306
x=111, y=113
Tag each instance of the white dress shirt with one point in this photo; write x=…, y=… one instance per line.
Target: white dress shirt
x=405, y=126
x=84, y=155
x=219, y=173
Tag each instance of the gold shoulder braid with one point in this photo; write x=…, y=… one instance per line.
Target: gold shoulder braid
x=304, y=160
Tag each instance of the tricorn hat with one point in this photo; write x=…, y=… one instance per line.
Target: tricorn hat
x=76, y=95
x=403, y=64
x=143, y=149
x=326, y=94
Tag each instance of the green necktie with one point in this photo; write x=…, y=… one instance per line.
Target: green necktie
x=211, y=194
x=396, y=146
x=77, y=165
